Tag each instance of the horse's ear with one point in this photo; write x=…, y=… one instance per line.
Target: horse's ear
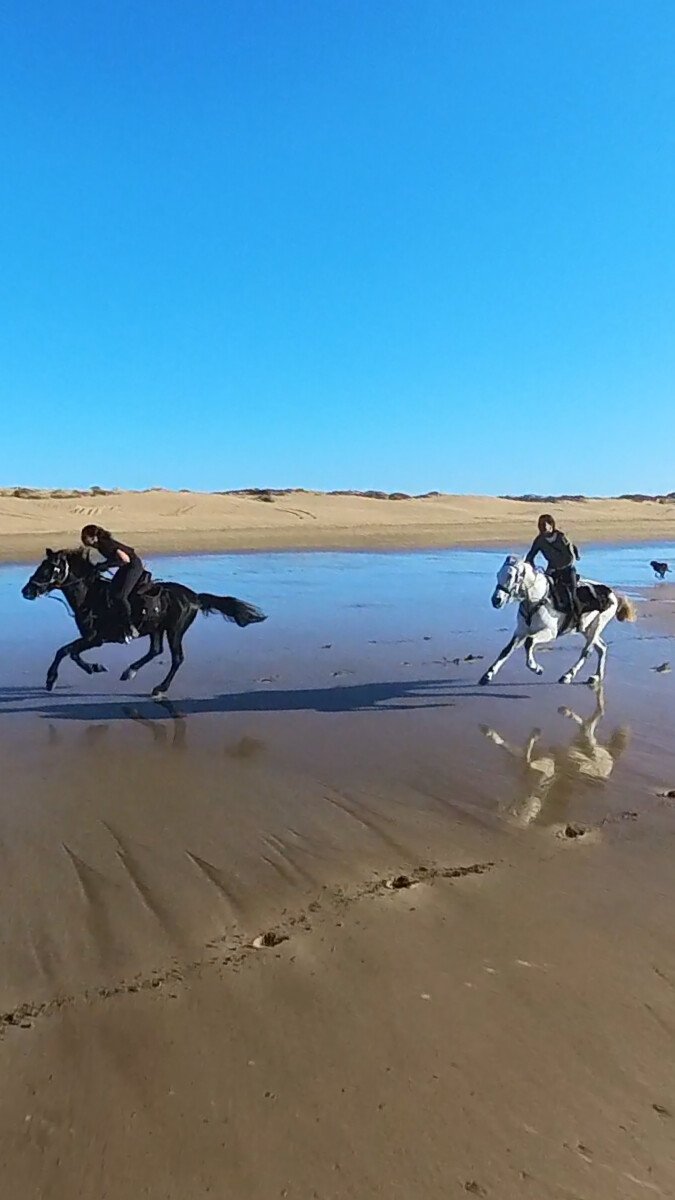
x=49, y=553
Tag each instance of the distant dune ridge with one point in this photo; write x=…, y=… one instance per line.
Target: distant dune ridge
x=162, y=521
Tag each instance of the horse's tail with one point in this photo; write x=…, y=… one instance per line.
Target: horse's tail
x=626, y=610
x=230, y=608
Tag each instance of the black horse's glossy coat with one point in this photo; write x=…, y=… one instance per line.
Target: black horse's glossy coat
x=169, y=608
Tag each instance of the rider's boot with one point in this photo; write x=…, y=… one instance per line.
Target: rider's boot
x=130, y=630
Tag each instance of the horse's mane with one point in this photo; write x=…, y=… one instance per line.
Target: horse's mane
x=78, y=555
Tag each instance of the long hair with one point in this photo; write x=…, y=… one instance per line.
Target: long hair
x=544, y=520
x=94, y=533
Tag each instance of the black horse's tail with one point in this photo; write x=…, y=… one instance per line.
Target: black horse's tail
x=230, y=608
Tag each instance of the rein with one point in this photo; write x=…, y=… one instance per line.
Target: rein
x=66, y=585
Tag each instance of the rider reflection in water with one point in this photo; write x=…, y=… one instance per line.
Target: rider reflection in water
x=124, y=561
x=560, y=555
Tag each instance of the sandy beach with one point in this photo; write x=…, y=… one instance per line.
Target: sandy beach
x=160, y=521
x=337, y=838
x=338, y=923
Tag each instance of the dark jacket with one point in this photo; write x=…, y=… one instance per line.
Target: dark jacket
x=558, y=551
x=108, y=547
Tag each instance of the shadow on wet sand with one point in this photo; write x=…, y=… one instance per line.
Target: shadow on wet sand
x=365, y=697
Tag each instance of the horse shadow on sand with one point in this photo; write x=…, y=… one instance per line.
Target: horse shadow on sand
x=384, y=696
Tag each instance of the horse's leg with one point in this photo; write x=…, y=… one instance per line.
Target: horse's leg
x=591, y=634
x=571, y=675
x=602, y=622
x=594, y=641
x=493, y=736
x=89, y=668
x=175, y=639
x=537, y=639
x=156, y=644
x=515, y=644
x=74, y=649
x=600, y=647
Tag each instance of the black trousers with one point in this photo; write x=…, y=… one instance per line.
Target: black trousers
x=565, y=588
x=126, y=579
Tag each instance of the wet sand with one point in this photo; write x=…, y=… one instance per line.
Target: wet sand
x=159, y=521
x=498, y=1024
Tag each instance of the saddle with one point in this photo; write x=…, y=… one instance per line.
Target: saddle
x=591, y=597
x=145, y=599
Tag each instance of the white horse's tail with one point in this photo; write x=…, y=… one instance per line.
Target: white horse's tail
x=626, y=610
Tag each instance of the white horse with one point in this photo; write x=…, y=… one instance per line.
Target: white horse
x=539, y=621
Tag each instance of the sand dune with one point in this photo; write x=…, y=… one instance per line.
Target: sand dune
x=163, y=521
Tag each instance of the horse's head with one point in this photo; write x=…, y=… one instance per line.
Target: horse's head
x=58, y=569
x=510, y=581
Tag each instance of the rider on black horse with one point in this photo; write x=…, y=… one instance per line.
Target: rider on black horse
x=560, y=554
x=125, y=562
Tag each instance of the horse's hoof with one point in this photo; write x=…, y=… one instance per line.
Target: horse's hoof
x=127, y=675
x=98, y=668
x=565, y=679
x=485, y=679
x=158, y=693
x=594, y=681
x=50, y=685
x=537, y=670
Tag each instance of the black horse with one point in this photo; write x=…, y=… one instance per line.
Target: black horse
x=157, y=609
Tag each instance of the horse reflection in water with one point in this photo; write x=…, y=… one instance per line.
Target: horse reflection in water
x=167, y=734
x=552, y=775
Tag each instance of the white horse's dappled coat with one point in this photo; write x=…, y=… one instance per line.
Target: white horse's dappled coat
x=539, y=621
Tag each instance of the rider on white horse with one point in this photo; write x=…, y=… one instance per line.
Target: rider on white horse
x=540, y=620
x=560, y=555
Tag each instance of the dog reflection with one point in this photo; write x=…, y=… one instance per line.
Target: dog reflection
x=551, y=776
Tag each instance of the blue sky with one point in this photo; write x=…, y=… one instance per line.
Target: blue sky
x=338, y=243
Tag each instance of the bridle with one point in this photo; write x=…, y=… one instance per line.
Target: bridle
x=58, y=583
x=511, y=592
x=58, y=579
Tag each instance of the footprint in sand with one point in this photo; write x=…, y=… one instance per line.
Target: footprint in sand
x=266, y=941
x=400, y=881
x=574, y=832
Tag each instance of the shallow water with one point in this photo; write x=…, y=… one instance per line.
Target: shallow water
x=339, y=737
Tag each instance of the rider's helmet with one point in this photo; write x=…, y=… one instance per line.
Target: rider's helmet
x=90, y=534
x=546, y=523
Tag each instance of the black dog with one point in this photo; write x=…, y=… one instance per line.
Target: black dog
x=660, y=569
